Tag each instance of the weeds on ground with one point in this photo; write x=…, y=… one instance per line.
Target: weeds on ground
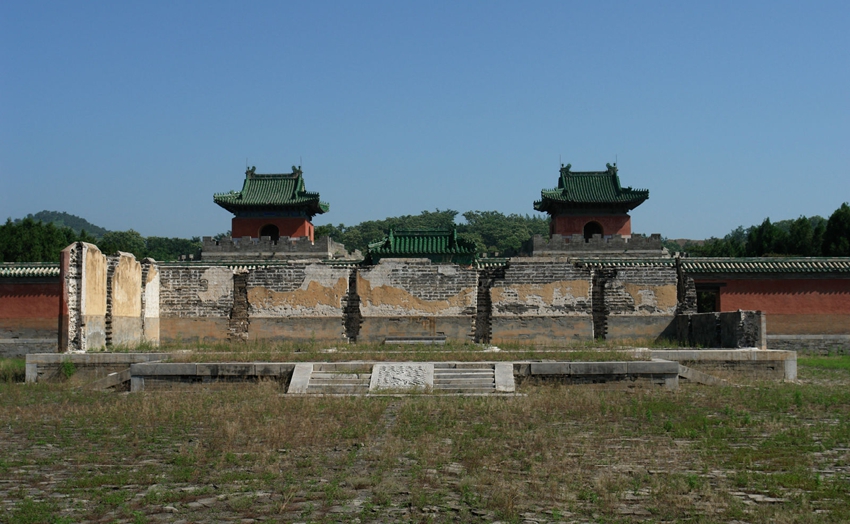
x=12, y=369
x=769, y=452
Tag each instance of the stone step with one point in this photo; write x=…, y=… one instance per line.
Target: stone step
x=465, y=374
x=326, y=383
x=463, y=366
x=338, y=389
x=339, y=376
x=470, y=381
x=463, y=390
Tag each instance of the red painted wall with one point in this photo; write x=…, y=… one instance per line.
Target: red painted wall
x=29, y=310
x=793, y=306
x=30, y=300
x=567, y=225
x=289, y=227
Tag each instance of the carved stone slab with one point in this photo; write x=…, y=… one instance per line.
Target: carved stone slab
x=402, y=375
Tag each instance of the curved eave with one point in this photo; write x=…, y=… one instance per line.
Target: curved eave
x=549, y=205
x=314, y=207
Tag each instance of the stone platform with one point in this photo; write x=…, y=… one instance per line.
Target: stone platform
x=152, y=371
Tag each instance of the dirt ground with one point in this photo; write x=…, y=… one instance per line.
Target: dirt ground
x=758, y=452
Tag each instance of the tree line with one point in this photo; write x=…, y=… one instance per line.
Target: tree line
x=29, y=240
x=806, y=237
x=493, y=233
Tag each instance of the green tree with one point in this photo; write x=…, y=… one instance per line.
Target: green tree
x=31, y=241
x=163, y=249
x=129, y=241
x=766, y=239
x=496, y=233
x=836, y=237
x=800, y=238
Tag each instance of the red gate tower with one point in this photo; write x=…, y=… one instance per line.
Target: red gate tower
x=272, y=206
x=588, y=203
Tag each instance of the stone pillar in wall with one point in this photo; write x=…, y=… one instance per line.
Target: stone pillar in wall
x=150, y=301
x=125, y=300
x=82, y=319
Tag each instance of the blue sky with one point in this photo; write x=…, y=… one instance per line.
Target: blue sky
x=132, y=115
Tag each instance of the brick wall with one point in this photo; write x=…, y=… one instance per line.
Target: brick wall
x=542, y=301
x=297, y=302
x=195, y=302
x=641, y=302
x=28, y=315
x=414, y=298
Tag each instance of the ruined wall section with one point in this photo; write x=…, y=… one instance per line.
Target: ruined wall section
x=641, y=302
x=297, y=302
x=92, y=302
x=104, y=301
x=195, y=302
x=542, y=301
x=412, y=298
x=124, y=301
x=150, y=301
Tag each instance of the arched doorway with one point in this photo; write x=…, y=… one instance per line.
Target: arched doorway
x=592, y=228
x=270, y=230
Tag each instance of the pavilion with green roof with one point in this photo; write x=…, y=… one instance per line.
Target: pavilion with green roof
x=272, y=205
x=590, y=203
x=441, y=246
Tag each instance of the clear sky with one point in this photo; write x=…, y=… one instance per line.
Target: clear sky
x=132, y=114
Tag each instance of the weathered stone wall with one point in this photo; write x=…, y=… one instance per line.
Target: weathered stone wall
x=641, y=302
x=150, y=301
x=195, y=302
x=732, y=329
x=821, y=345
x=125, y=301
x=93, y=300
x=616, y=245
x=413, y=298
x=297, y=302
x=264, y=248
x=543, y=301
x=103, y=300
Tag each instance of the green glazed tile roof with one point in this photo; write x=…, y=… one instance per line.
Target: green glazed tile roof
x=274, y=191
x=590, y=188
x=766, y=265
x=29, y=269
x=406, y=242
x=626, y=262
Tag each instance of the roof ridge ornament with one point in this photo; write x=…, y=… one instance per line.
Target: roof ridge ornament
x=250, y=172
x=612, y=169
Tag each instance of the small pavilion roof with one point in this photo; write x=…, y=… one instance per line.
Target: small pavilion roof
x=578, y=189
x=422, y=243
x=272, y=191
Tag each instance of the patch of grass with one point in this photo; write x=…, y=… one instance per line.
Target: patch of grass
x=67, y=369
x=12, y=369
x=838, y=362
x=696, y=454
x=29, y=511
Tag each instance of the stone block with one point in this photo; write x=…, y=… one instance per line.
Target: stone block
x=225, y=369
x=402, y=375
x=152, y=369
x=300, y=379
x=504, y=377
x=549, y=368
x=271, y=369
x=655, y=367
x=599, y=368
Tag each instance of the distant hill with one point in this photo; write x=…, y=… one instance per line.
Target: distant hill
x=60, y=218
